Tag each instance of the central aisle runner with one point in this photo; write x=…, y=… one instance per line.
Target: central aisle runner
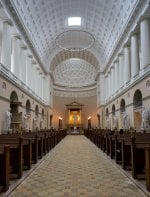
x=76, y=167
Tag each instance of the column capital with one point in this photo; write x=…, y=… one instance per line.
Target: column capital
x=33, y=62
x=126, y=45
x=7, y=21
x=29, y=55
x=15, y=35
x=24, y=47
x=143, y=18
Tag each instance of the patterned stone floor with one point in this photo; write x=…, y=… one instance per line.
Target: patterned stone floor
x=77, y=168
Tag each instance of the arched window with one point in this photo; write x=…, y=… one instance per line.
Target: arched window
x=113, y=110
x=28, y=107
x=137, y=99
x=122, y=105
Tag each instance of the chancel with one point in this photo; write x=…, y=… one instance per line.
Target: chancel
x=75, y=98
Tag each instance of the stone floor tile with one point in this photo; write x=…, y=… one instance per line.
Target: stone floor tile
x=77, y=168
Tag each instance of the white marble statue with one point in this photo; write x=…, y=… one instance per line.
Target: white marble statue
x=145, y=119
x=8, y=119
x=115, y=122
x=126, y=121
x=107, y=123
x=35, y=123
x=25, y=122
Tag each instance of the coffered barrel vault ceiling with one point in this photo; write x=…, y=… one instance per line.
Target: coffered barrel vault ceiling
x=43, y=21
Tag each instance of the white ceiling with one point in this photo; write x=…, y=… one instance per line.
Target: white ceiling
x=45, y=20
x=74, y=73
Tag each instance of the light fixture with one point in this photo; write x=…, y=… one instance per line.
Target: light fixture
x=74, y=21
x=89, y=117
x=60, y=118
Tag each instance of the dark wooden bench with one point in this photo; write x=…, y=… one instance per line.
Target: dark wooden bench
x=27, y=148
x=16, y=155
x=4, y=167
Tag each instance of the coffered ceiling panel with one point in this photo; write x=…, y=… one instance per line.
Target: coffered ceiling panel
x=44, y=20
x=74, y=73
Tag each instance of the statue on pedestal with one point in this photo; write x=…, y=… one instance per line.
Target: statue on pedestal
x=145, y=119
x=115, y=122
x=126, y=121
x=25, y=121
x=8, y=119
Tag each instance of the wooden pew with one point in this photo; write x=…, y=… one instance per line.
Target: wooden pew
x=16, y=155
x=4, y=167
x=112, y=146
x=138, y=145
x=27, y=148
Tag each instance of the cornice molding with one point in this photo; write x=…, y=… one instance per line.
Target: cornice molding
x=74, y=94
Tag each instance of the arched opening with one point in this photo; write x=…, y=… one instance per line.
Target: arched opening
x=28, y=107
x=107, y=119
x=36, y=110
x=123, y=115
x=42, y=120
x=137, y=105
x=42, y=113
x=13, y=97
x=122, y=106
x=26, y=119
x=113, y=110
x=35, y=120
x=107, y=112
x=137, y=99
x=16, y=119
x=51, y=118
x=98, y=117
x=114, y=118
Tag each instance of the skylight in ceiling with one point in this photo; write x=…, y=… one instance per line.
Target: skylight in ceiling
x=74, y=21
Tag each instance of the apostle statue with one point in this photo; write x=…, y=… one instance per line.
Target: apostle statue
x=8, y=119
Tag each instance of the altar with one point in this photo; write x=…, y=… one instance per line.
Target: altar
x=75, y=117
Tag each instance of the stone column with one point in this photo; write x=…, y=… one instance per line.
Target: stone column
x=36, y=70
x=47, y=85
x=109, y=85
x=6, y=45
x=106, y=87
x=121, y=64
x=23, y=56
x=134, y=55
x=41, y=91
x=145, y=43
x=113, y=79
x=28, y=71
x=38, y=78
x=34, y=81
x=43, y=88
x=116, y=75
x=15, y=58
x=127, y=65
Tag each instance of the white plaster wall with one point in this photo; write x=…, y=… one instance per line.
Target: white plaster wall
x=22, y=97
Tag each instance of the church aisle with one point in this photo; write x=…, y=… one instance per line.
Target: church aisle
x=76, y=167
